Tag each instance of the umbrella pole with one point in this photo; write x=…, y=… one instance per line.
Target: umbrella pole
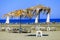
x=20, y=29
x=36, y=23
x=48, y=22
x=20, y=22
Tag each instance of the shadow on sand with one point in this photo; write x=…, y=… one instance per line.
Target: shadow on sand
x=35, y=35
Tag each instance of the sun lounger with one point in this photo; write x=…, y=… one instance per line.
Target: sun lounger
x=8, y=29
x=38, y=33
x=53, y=29
x=42, y=28
x=3, y=28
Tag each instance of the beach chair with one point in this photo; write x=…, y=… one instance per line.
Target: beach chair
x=53, y=29
x=48, y=28
x=8, y=29
x=42, y=28
x=38, y=33
x=14, y=30
x=3, y=28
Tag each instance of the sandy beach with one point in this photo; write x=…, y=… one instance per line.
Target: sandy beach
x=52, y=35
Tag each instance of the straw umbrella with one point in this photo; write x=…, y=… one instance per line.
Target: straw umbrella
x=22, y=13
x=38, y=9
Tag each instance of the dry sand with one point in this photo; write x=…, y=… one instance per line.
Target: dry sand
x=52, y=35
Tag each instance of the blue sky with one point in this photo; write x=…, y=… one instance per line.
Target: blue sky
x=11, y=5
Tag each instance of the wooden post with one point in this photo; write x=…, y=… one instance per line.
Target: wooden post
x=7, y=20
x=7, y=23
x=36, y=19
x=20, y=29
x=48, y=21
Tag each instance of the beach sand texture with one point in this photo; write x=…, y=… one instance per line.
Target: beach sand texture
x=52, y=35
